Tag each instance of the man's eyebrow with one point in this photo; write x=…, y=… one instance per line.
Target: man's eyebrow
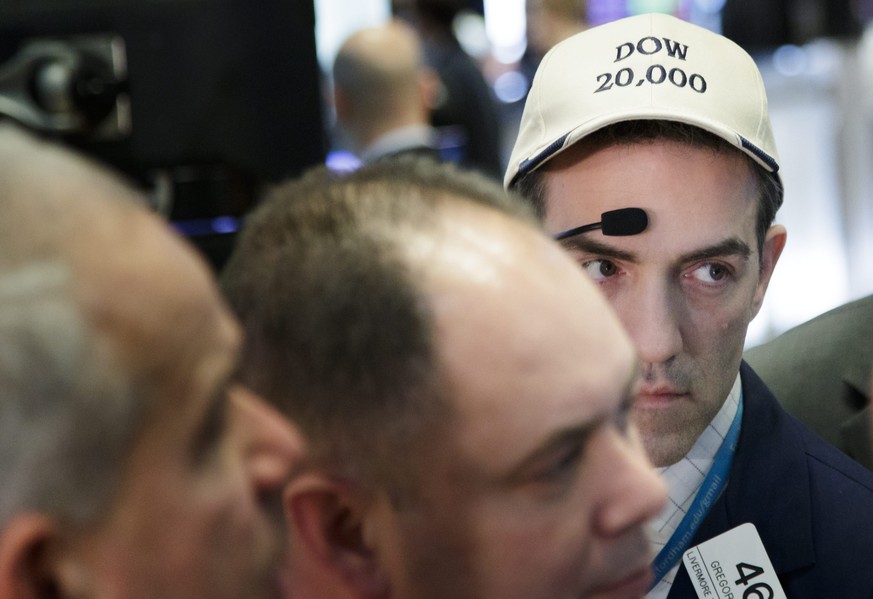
x=733, y=246
x=591, y=245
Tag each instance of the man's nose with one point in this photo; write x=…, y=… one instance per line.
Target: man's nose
x=636, y=492
x=651, y=315
x=273, y=446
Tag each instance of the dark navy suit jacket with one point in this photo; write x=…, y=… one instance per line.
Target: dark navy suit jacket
x=812, y=505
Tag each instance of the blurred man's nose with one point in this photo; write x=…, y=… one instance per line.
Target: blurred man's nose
x=636, y=492
x=273, y=446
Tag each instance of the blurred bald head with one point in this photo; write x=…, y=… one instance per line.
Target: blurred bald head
x=47, y=197
x=381, y=83
x=121, y=432
x=552, y=21
x=65, y=210
x=84, y=301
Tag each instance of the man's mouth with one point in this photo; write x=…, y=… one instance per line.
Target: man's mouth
x=658, y=395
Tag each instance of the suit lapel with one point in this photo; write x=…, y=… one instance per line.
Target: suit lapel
x=856, y=434
x=770, y=481
x=769, y=486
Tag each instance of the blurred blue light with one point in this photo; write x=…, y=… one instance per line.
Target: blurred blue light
x=510, y=87
x=342, y=161
x=225, y=224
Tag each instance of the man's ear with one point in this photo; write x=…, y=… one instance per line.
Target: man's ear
x=37, y=561
x=774, y=243
x=326, y=520
x=25, y=562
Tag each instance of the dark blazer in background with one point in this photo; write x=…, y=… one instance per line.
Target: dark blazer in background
x=811, y=504
x=820, y=372
x=467, y=104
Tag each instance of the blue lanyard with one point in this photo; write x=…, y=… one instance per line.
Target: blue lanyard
x=709, y=492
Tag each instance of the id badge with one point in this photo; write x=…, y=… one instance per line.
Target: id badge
x=733, y=565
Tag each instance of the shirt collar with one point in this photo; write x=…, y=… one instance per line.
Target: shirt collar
x=400, y=139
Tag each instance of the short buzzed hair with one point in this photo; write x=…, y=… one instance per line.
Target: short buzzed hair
x=338, y=331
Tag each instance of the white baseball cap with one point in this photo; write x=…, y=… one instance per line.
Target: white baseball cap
x=651, y=66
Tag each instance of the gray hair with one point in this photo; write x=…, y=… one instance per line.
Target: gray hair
x=66, y=415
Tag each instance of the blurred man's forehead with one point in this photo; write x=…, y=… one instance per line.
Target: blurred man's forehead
x=526, y=339
x=154, y=299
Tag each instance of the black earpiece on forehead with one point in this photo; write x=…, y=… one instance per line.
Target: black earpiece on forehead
x=616, y=223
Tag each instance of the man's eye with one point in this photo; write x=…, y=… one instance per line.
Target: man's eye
x=600, y=269
x=710, y=273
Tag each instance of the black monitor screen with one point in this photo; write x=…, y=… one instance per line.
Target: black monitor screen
x=207, y=98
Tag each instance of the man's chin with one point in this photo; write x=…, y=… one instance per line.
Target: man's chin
x=665, y=448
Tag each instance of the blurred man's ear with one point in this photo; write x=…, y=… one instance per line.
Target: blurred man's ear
x=29, y=563
x=330, y=555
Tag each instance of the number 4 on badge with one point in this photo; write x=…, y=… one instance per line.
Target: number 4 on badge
x=756, y=591
x=747, y=572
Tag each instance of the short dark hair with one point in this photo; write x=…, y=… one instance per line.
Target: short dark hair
x=532, y=186
x=338, y=331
